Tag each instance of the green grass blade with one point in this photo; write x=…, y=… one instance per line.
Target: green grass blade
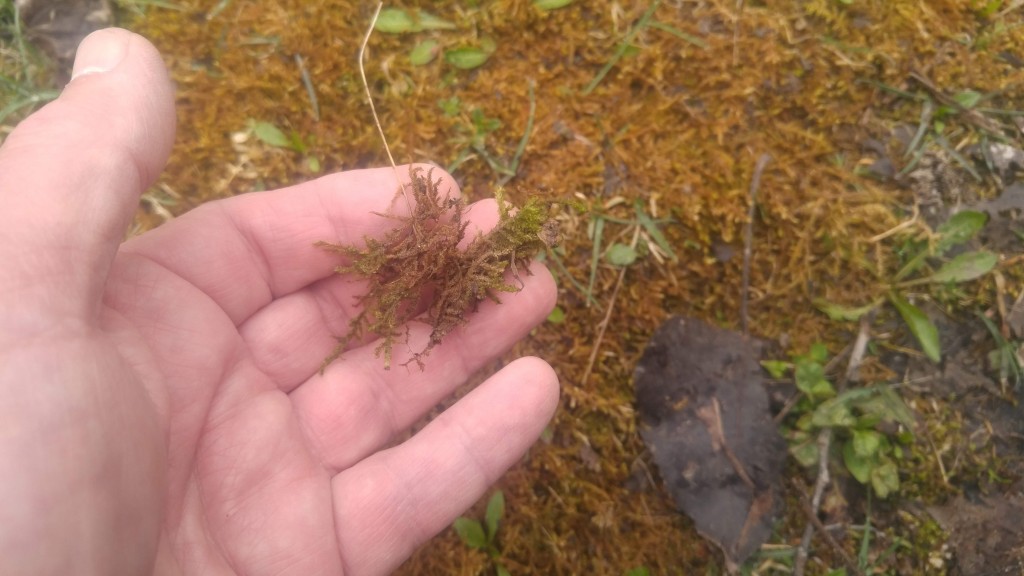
x=623, y=47
x=518, y=156
x=38, y=98
x=679, y=34
x=653, y=230
x=595, y=254
x=495, y=512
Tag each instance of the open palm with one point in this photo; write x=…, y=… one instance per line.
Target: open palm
x=161, y=408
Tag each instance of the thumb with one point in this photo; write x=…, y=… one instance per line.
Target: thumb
x=71, y=175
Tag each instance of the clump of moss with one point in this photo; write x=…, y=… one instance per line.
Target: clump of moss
x=421, y=260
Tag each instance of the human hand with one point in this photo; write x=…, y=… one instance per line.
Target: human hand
x=160, y=407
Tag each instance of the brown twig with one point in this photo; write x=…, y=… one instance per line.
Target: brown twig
x=824, y=445
x=602, y=327
x=938, y=457
x=825, y=442
x=607, y=317
x=307, y=82
x=736, y=33
x=860, y=347
x=972, y=116
x=712, y=420
x=748, y=240
x=812, y=517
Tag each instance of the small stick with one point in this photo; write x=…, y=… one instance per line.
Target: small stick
x=604, y=326
x=812, y=516
x=1013, y=6
x=607, y=316
x=736, y=33
x=713, y=421
x=972, y=116
x=748, y=239
x=938, y=458
x=373, y=109
x=860, y=346
x=308, y=83
x=824, y=444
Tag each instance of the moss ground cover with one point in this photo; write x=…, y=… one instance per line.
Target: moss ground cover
x=661, y=108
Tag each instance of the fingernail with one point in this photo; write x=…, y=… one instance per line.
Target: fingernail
x=100, y=52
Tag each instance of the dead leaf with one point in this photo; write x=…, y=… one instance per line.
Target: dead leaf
x=705, y=417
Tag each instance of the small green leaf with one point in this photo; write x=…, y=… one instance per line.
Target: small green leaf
x=822, y=389
x=466, y=57
x=963, y=268
x=487, y=44
x=398, y=21
x=834, y=413
x=557, y=315
x=621, y=255
x=500, y=569
x=776, y=368
x=805, y=423
x=885, y=478
x=859, y=466
x=968, y=98
x=886, y=404
x=298, y=144
x=450, y=106
x=866, y=442
x=989, y=8
x=639, y=571
x=807, y=374
x=551, y=4
x=482, y=124
x=818, y=352
x=960, y=228
x=920, y=326
x=470, y=532
x=270, y=134
x=805, y=453
x=494, y=514
x=843, y=313
x=867, y=421
x=313, y=164
x=424, y=52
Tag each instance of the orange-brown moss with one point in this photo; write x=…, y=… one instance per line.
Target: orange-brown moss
x=798, y=81
x=421, y=261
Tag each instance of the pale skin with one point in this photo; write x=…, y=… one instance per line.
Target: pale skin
x=161, y=408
